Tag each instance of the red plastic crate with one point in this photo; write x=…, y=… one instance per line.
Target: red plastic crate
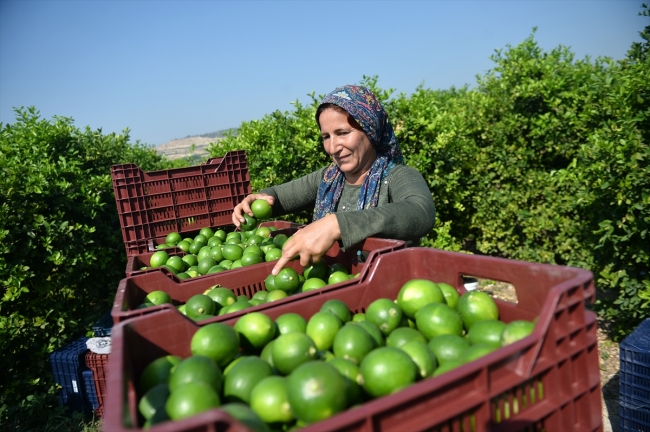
x=98, y=364
x=548, y=381
x=153, y=204
x=135, y=263
x=242, y=281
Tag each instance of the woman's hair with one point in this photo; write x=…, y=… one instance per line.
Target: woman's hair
x=335, y=107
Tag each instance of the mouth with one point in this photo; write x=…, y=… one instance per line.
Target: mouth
x=341, y=159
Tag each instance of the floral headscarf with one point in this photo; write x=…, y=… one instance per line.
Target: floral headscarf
x=364, y=107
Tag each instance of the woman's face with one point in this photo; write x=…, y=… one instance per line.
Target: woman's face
x=347, y=143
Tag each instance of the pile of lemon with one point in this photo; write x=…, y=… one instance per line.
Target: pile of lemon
x=217, y=300
x=295, y=371
x=213, y=251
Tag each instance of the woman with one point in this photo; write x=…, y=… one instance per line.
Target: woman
x=367, y=191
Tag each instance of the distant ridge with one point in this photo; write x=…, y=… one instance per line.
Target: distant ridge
x=219, y=134
x=195, y=146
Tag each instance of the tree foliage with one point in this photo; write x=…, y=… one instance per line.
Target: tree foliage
x=61, y=248
x=545, y=160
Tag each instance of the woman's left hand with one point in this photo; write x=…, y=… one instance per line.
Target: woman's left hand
x=310, y=243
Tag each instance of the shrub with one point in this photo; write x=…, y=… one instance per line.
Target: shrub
x=546, y=160
x=61, y=250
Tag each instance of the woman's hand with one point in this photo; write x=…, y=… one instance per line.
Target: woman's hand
x=245, y=207
x=310, y=243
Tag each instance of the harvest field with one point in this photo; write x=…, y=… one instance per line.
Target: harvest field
x=545, y=160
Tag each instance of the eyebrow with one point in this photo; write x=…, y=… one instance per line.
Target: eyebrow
x=349, y=128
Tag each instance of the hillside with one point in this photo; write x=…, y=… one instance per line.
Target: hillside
x=182, y=147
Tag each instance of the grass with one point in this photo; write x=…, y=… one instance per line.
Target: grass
x=56, y=420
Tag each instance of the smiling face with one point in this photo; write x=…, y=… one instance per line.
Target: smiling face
x=347, y=144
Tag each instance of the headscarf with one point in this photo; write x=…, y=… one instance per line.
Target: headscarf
x=364, y=107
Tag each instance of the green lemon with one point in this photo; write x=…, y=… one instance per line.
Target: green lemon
x=318, y=270
x=350, y=372
x=436, y=319
x=290, y=350
x=250, y=223
x=322, y=328
x=474, y=306
x=352, y=343
x=386, y=370
x=158, y=297
x=255, y=331
x=153, y=401
x=200, y=304
x=422, y=356
x=222, y=296
x=275, y=295
x=190, y=399
x=448, y=347
x=243, y=377
x=486, y=332
x=270, y=400
x=385, y=314
x=287, y=279
x=196, y=368
x=261, y=209
x=157, y=372
x=402, y=335
x=313, y=284
x=216, y=341
x=291, y=322
x=417, y=293
x=173, y=238
x=516, y=330
x=314, y=391
x=450, y=293
x=158, y=259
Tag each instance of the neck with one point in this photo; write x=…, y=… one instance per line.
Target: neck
x=356, y=180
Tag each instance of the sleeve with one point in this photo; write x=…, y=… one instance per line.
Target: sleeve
x=408, y=216
x=296, y=195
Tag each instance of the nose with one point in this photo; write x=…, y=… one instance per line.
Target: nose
x=333, y=145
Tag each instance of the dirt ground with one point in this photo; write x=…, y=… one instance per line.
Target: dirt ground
x=607, y=349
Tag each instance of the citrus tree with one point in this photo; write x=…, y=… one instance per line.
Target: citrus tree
x=544, y=160
x=61, y=249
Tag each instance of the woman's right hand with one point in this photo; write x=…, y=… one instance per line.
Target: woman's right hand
x=245, y=207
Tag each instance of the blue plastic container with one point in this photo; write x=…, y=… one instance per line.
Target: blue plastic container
x=102, y=328
x=89, y=385
x=68, y=364
x=634, y=392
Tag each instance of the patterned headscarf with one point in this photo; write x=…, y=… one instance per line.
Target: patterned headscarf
x=364, y=107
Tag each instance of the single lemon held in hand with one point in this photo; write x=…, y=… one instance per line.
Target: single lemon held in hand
x=261, y=209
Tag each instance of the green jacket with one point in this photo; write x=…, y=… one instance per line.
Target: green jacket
x=405, y=210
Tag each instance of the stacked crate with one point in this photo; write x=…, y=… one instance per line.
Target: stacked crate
x=68, y=367
x=549, y=380
x=634, y=396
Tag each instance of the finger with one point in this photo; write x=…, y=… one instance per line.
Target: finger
x=236, y=215
x=305, y=260
x=280, y=265
x=245, y=208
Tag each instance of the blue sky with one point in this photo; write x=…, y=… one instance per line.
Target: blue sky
x=169, y=69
